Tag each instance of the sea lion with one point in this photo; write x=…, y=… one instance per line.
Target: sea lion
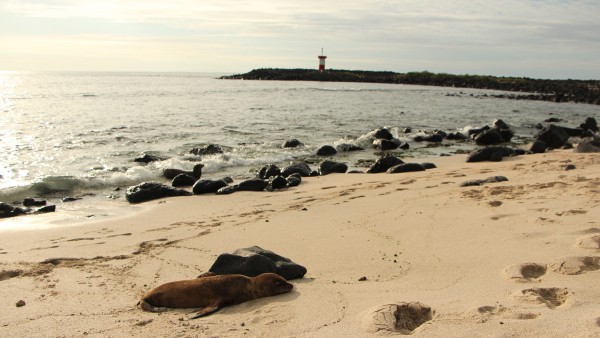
x=211, y=293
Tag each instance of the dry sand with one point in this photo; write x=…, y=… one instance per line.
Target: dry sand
x=512, y=259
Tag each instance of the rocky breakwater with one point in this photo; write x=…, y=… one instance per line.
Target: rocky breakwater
x=581, y=91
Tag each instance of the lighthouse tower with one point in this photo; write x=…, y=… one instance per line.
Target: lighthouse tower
x=322, y=61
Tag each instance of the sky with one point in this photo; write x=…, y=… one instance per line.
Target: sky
x=555, y=39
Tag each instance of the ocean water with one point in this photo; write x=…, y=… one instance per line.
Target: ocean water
x=76, y=134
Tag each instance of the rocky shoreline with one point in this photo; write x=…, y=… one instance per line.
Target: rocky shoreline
x=578, y=91
x=494, y=143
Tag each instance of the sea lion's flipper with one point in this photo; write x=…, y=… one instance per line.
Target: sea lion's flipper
x=150, y=308
x=205, y=311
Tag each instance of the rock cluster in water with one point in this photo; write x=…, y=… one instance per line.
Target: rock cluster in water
x=29, y=206
x=494, y=141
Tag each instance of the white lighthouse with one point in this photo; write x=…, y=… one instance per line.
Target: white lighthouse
x=322, y=61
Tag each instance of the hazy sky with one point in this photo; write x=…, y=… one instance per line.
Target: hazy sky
x=534, y=38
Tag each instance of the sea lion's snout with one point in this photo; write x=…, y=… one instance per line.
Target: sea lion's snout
x=285, y=286
x=273, y=284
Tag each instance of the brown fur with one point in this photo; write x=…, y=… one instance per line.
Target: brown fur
x=211, y=293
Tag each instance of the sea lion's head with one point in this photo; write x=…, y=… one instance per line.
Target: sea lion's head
x=270, y=284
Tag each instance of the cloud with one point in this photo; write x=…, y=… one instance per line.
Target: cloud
x=398, y=35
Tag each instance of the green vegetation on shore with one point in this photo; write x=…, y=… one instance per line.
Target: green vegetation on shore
x=580, y=91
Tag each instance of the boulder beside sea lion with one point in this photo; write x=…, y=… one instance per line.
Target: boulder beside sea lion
x=253, y=261
x=152, y=190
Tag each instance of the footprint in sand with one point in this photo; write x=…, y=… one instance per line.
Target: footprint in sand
x=526, y=272
x=8, y=274
x=589, y=242
x=401, y=318
x=577, y=265
x=551, y=297
x=487, y=312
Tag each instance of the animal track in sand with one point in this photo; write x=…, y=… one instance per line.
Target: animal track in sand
x=590, y=242
x=401, y=318
x=577, y=265
x=526, y=272
x=551, y=297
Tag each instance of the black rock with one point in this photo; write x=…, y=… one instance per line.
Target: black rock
x=488, y=137
x=404, y=146
x=230, y=189
x=278, y=182
x=6, y=210
x=384, y=163
x=496, y=157
x=196, y=172
x=326, y=151
x=208, y=186
x=407, y=130
x=588, y=145
x=499, y=124
x=382, y=133
x=490, y=154
x=552, y=120
x=46, y=209
x=183, y=180
x=152, y=190
x=457, y=136
x=268, y=171
x=70, y=199
x=254, y=261
x=590, y=124
x=428, y=165
x=348, y=147
x=227, y=179
x=300, y=168
x=538, y=147
x=327, y=167
x=493, y=179
x=293, y=143
x=210, y=149
x=435, y=138
x=147, y=158
x=383, y=144
x=255, y=184
x=554, y=136
x=31, y=202
x=405, y=168
x=293, y=180
x=475, y=131
x=570, y=167
x=573, y=132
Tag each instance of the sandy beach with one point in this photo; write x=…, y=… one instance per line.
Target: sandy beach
x=519, y=258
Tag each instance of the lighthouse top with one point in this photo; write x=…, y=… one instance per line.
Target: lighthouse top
x=322, y=56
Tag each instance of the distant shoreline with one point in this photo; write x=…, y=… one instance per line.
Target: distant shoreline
x=577, y=91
